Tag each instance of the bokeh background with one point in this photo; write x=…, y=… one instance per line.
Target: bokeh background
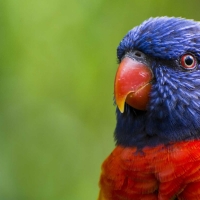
x=57, y=67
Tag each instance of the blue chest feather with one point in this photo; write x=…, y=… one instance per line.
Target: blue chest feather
x=173, y=113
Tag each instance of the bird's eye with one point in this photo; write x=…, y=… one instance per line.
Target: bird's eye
x=188, y=61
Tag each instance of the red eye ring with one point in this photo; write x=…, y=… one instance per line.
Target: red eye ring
x=188, y=61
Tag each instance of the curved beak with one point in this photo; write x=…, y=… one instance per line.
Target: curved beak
x=132, y=84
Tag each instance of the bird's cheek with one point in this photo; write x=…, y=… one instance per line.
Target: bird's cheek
x=132, y=84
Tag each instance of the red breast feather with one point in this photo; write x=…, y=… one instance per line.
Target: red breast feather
x=161, y=172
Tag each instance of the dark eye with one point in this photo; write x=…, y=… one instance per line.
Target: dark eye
x=188, y=61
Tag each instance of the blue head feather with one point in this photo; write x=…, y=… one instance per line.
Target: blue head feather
x=173, y=113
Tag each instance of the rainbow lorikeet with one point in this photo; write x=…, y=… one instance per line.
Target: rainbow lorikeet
x=157, y=93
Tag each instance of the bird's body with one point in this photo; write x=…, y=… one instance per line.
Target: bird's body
x=157, y=91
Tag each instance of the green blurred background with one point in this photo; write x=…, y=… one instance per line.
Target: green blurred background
x=57, y=67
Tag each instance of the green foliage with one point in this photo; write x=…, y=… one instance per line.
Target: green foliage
x=57, y=68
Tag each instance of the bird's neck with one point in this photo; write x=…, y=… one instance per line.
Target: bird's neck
x=139, y=129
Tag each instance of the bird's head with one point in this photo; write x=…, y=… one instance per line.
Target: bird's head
x=157, y=84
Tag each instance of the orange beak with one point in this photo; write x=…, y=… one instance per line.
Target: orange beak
x=132, y=84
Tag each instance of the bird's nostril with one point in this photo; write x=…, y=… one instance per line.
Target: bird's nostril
x=138, y=54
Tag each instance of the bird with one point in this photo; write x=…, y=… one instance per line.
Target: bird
x=157, y=97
